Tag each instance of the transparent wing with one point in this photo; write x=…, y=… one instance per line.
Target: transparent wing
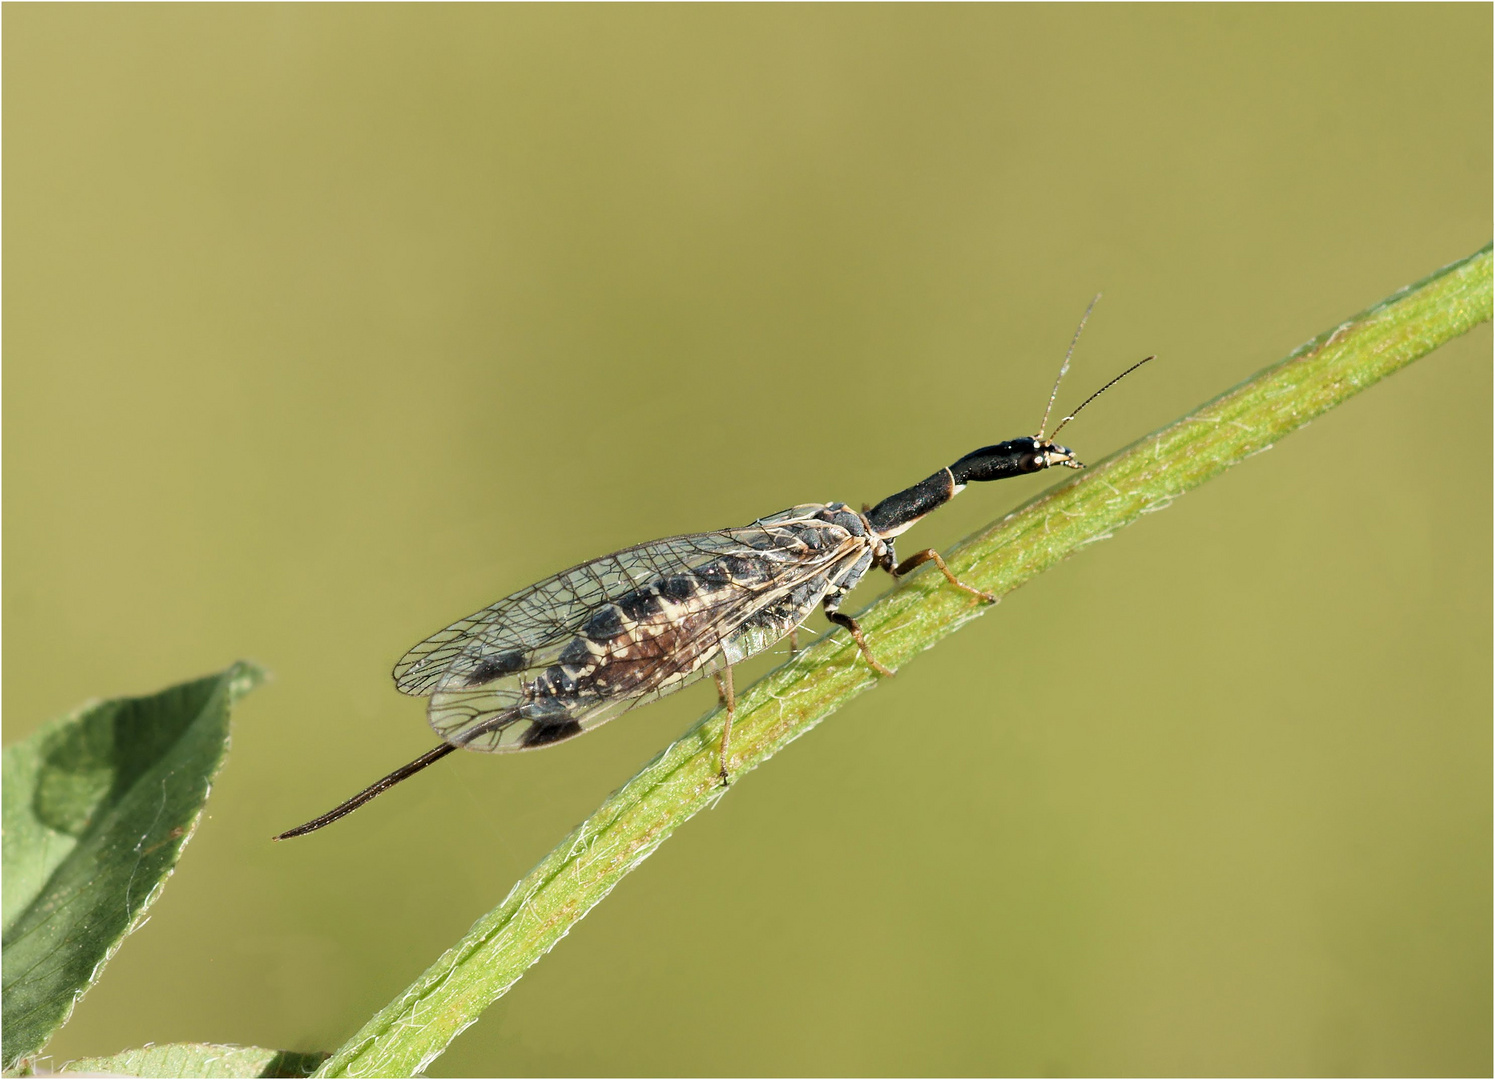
x=540, y=667
x=513, y=634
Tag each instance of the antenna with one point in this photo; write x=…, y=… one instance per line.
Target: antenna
x=1064, y=367
x=1099, y=392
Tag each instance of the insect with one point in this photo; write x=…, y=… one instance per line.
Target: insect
x=569, y=653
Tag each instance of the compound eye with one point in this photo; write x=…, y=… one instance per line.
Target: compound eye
x=1033, y=463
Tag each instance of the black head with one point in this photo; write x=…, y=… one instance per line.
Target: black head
x=1039, y=454
x=1015, y=457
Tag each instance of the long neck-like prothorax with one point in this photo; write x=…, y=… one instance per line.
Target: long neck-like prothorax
x=1017, y=457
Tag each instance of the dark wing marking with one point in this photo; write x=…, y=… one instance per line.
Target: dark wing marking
x=490, y=719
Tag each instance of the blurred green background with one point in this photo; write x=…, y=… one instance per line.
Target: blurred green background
x=327, y=325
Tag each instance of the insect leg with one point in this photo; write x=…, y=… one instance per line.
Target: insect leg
x=930, y=555
x=794, y=642
x=830, y=604
x=729, y=699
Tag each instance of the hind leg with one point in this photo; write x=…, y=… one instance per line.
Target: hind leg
x=729, y=699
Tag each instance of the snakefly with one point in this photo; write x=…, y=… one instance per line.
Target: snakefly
x=569, y=653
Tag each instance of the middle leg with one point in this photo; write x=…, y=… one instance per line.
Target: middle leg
x=830, y=605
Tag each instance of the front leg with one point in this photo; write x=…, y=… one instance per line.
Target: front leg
x=930, y=555
x=831, y=604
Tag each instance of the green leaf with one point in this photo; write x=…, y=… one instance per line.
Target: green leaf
x=418, y=1025
x=200, y=1059
x=98, y=806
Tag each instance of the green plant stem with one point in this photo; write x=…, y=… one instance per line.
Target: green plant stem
x=418, y=1025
